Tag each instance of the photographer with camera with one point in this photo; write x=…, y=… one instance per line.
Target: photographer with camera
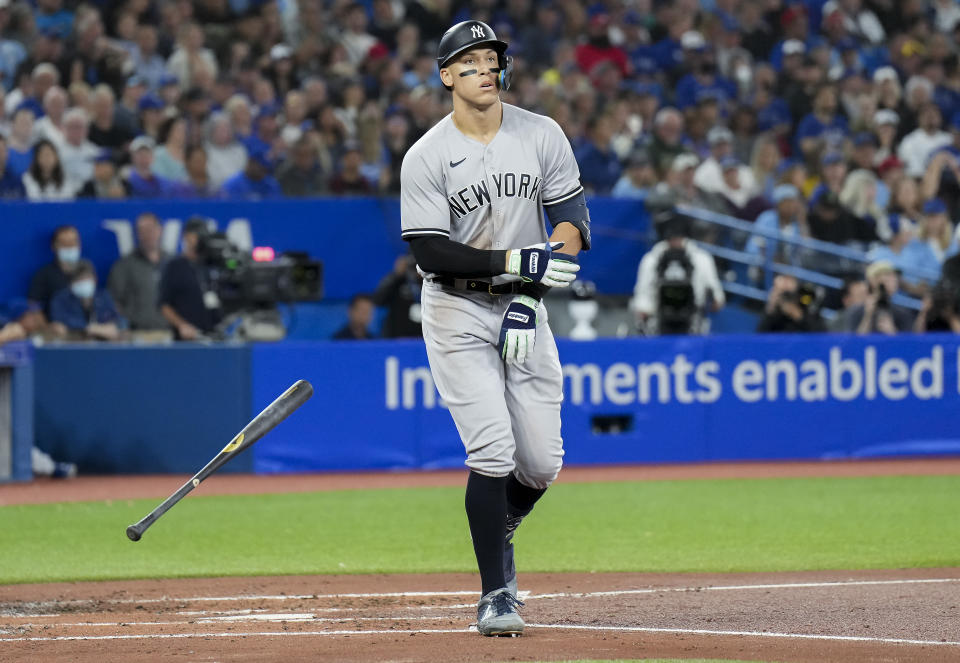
x=186, y=301
x=676, y=281
x=791, y=307
x=941, y=309
x=878, y=314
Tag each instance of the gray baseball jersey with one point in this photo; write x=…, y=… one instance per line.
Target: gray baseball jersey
x=487, y=196
x=491, y=197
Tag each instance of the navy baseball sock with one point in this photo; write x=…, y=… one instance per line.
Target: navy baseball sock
x=486, y=502
x=521, y=498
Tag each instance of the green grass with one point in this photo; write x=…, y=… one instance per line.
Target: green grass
x=663, y=526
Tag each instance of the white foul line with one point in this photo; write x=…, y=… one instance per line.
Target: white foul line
x=718, y=588
x=465, y=592
x=629, y=629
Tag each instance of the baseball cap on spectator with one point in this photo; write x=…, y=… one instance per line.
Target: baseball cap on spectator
x=730, y=162
x=864, y=138
x=794, y=47
x=280, y=52
x=168, y=79
x=888, y=164
x=830, y=158
x=645, y=89
x=847, y=44
x=934, y=206
x=104, y=155
x=878, y=268
x=268, y=110
x=783, y=192
x=791, y=14
x=149, y=102
x=684, y=161
x=261, y=156
x=886, y=116
x=135, y=81
x=728, y=21
x=719, y=135
x=142, y=143
x=885, y=74
x=691, y=40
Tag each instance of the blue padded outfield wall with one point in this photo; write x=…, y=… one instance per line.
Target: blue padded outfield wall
x=356, y=238
x=682, y=399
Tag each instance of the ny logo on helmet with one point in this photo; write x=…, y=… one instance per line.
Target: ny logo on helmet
x=477, y=31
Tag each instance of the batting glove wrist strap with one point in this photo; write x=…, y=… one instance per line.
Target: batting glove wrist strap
x=518, y=331
x=538, y=264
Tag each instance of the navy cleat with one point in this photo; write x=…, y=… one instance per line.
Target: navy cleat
x=497, y=614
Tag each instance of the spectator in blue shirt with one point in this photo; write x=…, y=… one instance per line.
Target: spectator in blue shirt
x=144, y=183
x=703, y=78
x=255, y=180
x=599, y=166
x=638, y=179
x=51, y=16
x=823, y=129
x=786, y=217
x=83, y=311
x=12, y=52
x=11, y=186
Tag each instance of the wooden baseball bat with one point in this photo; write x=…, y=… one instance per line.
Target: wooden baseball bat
x=263, y=423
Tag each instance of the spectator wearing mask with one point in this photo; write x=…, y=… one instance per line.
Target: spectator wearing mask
x=878, y=313
x=11, y=184
x=184, y=301
x=359, y=317
x=144, y=183
x=45, y=179
x=55, y=276
x=83, y=311
x=134, y=279
x=676, y=282
x=790, y=308
x=105, y=184
x=254, y=181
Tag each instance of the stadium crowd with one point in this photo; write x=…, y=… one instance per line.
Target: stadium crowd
x=835, y=120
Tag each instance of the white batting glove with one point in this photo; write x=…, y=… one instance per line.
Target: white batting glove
x=518, y=331
x=539, y=264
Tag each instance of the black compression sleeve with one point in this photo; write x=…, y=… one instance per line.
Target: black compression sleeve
x=444, y=256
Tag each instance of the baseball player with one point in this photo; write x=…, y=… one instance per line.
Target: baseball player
x=474, y=190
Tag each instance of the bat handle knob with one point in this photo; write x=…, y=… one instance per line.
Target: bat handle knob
x=133, y=533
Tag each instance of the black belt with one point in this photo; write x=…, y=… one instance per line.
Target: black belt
x=508, y=288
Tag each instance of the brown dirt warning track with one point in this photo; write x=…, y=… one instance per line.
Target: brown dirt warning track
x=851, y=616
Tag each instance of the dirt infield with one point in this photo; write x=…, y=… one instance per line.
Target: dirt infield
x=851, y=617
x=884, y=615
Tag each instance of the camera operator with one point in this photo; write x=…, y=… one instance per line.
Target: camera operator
x=186, y=300
x=791, y=307
x=674, y=281
x=878, y=314
x=941, y=309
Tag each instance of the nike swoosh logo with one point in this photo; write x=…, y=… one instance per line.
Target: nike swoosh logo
x=454, y=165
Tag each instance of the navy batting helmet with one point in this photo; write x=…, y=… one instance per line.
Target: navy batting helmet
x=470, y=34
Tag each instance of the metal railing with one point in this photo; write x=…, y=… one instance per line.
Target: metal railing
x=771, y=267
